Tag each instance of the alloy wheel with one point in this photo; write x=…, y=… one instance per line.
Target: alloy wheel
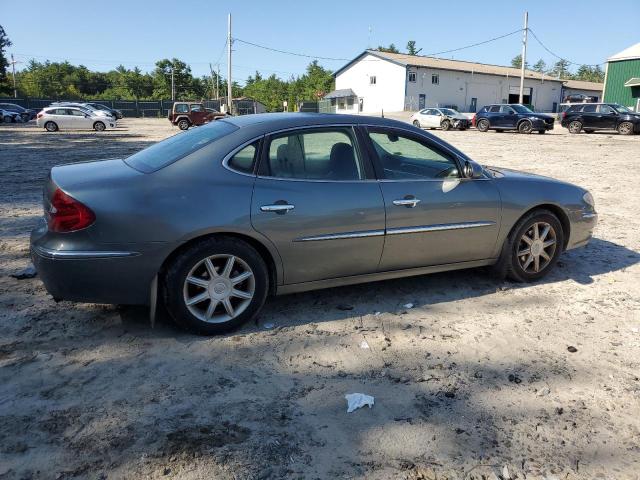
x=575, y=127
x=219, y=288
x=537, y=247
x=625, y=128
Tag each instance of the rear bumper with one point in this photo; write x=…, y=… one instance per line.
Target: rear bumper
x=95, y=275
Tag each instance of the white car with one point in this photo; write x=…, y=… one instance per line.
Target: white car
x=444, y=118
x=72, y=118
x=86, y=107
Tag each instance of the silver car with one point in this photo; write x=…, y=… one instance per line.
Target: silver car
x=212, y=221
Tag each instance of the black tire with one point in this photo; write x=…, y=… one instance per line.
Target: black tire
x=625, y=128
x=575, y=126
x=542, y=132
x=509, y=264
x=174, y=284
x=416, y=123
x=184, y=124
x=99, y=127
x=445, y=125
x=51, y=127
x=525, y=127
x=7, y=119
x=483, y=125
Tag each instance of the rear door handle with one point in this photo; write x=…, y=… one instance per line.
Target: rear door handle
x=277, y=208
x=407, y=202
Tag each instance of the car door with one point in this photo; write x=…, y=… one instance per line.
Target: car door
x=434, y=215
x=607, y=117
x=508, y=117
x=590, y=117
x=198, y=114
x=78, y=119
x=317, y=201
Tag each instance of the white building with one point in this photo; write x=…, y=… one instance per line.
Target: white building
x=394, y=82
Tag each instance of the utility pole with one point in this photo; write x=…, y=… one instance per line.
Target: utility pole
x=212, y=84
x=173, y=90
x=229, y=82
x=13, y=66
x=218, y=83
x=524, y=56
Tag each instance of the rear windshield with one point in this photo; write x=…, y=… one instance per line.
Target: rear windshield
x=174, y=148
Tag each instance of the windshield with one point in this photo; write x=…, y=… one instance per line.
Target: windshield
x=521, y=109
x=174, y=148
x=449, y=111
x=622, y=108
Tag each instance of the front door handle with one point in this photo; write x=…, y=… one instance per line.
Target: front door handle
x=407, y=202
x=277, y=208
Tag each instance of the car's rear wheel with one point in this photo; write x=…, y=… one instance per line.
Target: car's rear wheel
x=532, y=248
x=51, y=127
x=216, y=285
x=625, y=128
x=99, y=127
x=525, y=127
x=416, y=123
x=575, y=126
x=184, y=124
x=445, y=125
x=7, y=119
x=483, y=125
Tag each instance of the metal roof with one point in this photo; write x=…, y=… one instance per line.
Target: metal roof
x=632, y=82
x=455, y=65
x=341, y=93
x=582, y=85
x=630, y=53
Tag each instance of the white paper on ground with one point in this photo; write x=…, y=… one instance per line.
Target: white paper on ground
x=357, y=400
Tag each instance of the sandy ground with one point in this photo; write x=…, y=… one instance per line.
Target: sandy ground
x=475, y=381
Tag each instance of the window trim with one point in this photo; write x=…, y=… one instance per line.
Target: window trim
x=431, y=143
x=415, y=76
x=230, y=155
x=367, y=167
x=435, y=76
x=373, y=80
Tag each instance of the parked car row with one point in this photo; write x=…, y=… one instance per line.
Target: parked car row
x=11, y=112
x=587, y=117
x=77, y=116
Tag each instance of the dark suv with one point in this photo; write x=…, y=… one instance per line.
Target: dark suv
x=512, y=117
x=600, y=116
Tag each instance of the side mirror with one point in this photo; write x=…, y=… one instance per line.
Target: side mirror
x=473, y=170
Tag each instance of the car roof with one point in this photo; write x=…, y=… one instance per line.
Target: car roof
x=273, y=121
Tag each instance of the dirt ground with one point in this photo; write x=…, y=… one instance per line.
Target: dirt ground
x=474, y=381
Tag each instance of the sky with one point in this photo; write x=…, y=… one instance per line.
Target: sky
x=102, y=35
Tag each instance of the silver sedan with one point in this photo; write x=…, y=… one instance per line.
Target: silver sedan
x=212, y=221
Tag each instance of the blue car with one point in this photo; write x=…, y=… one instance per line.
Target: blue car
x=512, y=117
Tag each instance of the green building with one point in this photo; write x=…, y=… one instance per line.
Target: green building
x=622, y=78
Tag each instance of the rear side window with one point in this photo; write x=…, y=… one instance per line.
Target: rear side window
x=174, y=148
x=245, y=159
x=589, y=109
x=327, y=154
x=182, y=108
x=494, y=109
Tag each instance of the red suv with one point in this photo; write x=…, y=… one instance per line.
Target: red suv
x=187, y=114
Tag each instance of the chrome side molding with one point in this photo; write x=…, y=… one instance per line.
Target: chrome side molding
x=438, y=228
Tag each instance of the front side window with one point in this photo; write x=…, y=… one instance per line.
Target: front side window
x=435, y=79
x=327, y=154
x=522, y=109
x=180, y=145
x=196, y=108
x=506, y=109
x=372, y=80
x=412, y=76
x=245, y=159
x=406, y=158
x=606, y=109
x=76, y=113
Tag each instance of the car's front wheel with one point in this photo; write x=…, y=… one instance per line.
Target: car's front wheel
x=99, y=127
x=532, y=248
x=525, y=127
x=216, y=285
x=483, y=125
x=625, y=128
x=51, y=127
x=416, y=123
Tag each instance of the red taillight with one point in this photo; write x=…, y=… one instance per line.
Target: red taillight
x=473, y=120
x=67, y=214
x=564, y=114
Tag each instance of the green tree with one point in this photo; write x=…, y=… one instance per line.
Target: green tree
x=516, y=62
x=390, y=49
x=411, y=48
x=5, y=87
x=540, y=66
x=589, y=74
x=560, y=69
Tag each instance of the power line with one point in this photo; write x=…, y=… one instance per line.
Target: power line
x=562, y=58
x=475, y=44
x=291, y=53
